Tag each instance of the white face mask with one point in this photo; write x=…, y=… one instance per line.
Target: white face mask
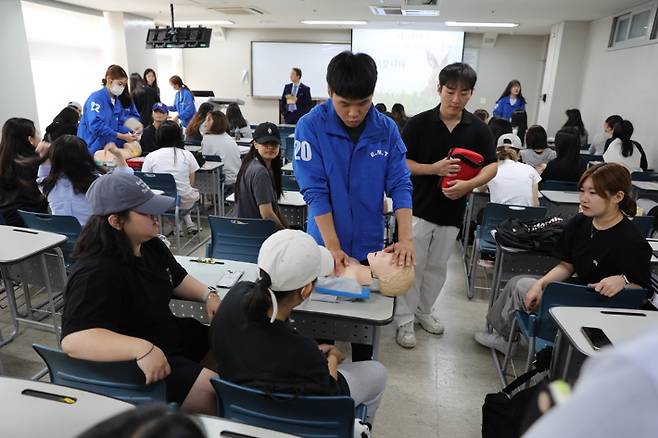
x=202, y=129
x=117, y=89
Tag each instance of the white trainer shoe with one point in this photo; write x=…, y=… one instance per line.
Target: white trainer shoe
x=405, y=336
x=492, y=340
x=430, y=324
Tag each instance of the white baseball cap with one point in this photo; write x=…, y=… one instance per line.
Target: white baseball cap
x=292, y=259
x=510, y=140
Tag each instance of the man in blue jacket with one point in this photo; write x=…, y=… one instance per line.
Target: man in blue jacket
x=296, y=98
x=105, y=113
x=347, y=156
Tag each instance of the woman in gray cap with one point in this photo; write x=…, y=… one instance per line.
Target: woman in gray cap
x=116, y=304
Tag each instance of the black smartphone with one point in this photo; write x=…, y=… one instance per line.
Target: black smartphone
x=596, y=338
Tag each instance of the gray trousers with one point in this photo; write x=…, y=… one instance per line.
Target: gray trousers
x=508, y=301
x=367, y=381
x=433, y=244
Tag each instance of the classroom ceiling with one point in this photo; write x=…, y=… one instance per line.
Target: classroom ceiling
x=534, y=16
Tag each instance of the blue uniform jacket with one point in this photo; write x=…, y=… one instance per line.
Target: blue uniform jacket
x=184, y=106
x=101, y=121
x=504, y=108
x=336, y=176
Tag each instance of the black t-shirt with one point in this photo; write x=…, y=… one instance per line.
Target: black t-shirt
x=21, y=191
x=268, y=356
x=145, y=98
x=147, y=142
x=597, y=254
x=564, y=170
x=354, y=133
x=428, y=140
x=127, y=298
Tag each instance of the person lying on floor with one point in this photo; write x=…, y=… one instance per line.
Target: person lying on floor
x=600, y=245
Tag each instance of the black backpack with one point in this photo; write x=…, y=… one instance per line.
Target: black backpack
x=539, y=235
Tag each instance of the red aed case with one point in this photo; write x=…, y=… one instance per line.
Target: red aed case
x=470, y=165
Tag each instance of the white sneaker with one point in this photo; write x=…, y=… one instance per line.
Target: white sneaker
x=430, y=324
x=405, y=336
x=492, y=340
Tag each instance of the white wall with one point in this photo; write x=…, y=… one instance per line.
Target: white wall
x=564, y=73
x=16, y=72
x=220, y=67
x=139, y=57
x=623, y=82
x=519, y=57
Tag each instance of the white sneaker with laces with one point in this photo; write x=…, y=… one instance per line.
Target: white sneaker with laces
x=430, y=324
x=492, y=340
x=405, y=336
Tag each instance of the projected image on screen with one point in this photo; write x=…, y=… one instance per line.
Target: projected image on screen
x=408, y=63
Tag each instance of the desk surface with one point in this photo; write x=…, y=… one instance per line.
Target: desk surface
x=290, y=199
x=653, y=243
x=646, y=185
x=192, y=148
x=20, y=243
x=377, y=310
x=616, y=327
x=28, y=416
x=561, y=197
x=287, y=167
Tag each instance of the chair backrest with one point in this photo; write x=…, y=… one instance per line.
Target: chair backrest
x=564, y=186
x=123, y=380
x=644, y=176
x=191, y=142
x=215, y=158
x=288, y=144
x=238, y=239
x=2, y=220
x=494, y=214
x=588, y=157
x=160, y=181
x=65, y=225
x=644, y=224
x=289, y=183
x=305, y=416
x=575, y=295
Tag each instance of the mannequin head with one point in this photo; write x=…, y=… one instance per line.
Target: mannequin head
x=394, y=280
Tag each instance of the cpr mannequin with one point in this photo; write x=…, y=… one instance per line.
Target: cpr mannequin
x=383, y=275
x=129, y=150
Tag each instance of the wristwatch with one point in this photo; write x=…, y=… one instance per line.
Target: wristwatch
x=626, y=282
x=211, y=291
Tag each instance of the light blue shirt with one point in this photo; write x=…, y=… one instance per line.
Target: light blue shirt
x=295, y=88
x=63, y=199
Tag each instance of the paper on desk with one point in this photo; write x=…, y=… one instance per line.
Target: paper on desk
x=324, y=298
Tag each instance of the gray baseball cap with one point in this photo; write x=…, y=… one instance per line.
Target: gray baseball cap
x=117, y=192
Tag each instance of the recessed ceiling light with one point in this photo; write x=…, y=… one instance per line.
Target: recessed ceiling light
x=336, y=22
x=420, y=12
x=471, y=24
x=204, y=22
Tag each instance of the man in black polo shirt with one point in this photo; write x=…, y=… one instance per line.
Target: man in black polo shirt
x=437, y=213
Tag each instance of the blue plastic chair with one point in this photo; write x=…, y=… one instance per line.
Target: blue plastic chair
x=539, y=328
x=644, y=176
x=588, y=157
x=237, y=239
x=123, y=380
x=484, y=242
x=2, y=220
x=289, y=183
x=65, y=225
x=166, y=183
x=304, y=416
x=564, y=186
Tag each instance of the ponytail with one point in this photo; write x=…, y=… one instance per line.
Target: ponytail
x=260, y=298
x=628, y=206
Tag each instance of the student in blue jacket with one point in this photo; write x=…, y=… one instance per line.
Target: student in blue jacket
x=347, y=156
x=511, y=100
x=183, y=102
x=106, y=111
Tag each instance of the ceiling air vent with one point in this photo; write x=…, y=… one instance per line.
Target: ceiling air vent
x=386, y=10
x=238, y=10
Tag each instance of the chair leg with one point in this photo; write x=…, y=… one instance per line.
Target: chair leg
x=473, y=272
x=177, y=228
x=531, y=355
x=510, y=345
